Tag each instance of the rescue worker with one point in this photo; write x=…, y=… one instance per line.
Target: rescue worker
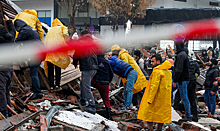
x=123, y=55
x=210, y=52
x=210, y=88
x=27, y=33
x=30, y=18
x=204, y=56
x=124, y=70
x=156, y=102
x=56, y=36
x=88, y=67
x=139, y=60
x=101, y=82
x=181, y=77
x=6, y=71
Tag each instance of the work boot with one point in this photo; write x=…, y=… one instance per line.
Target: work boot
x=185, y=119
x=36, y=96
x=108, y=113
x=91, y=109
x=195, y=117
x=83, y=102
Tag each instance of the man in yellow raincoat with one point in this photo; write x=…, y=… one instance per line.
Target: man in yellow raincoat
x=30, y=18
x=56, y=36
x=123, y=55
x=156, y=102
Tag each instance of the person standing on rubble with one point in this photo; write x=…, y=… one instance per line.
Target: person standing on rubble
x=27, y=33
x=194, y=72
x=156, y=102
x=210, y=52
x=181, y=77
x=56, y=36
x=101, y=82
x=210, y=88
x=139, y=60
x=88, y=67
x=123, y=55
x=124, y=70
x=6, y=71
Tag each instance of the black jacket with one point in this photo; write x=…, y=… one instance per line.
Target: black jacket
x=87, y=63
x=211, y=74
x=204, y=57
x=181, y=66
x=104, y=74
x=7, y=35
x=25, y=32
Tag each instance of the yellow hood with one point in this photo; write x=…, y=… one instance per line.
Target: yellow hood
x=56, y=22
x=115, y=47
x=33, y=12
x=165, y=65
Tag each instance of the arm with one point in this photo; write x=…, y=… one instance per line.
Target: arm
x=215, y=75
x=156, y=76
x=178, y=68
x=197, y=71
x=11, y=28
x=40, y=30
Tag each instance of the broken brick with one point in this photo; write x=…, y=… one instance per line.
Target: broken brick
x=186, y=126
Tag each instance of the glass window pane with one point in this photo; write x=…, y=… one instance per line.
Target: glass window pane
x=164, y=43
x=41, y=13
x=83, y=14
x=48, y=13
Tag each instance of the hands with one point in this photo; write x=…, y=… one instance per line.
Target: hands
x=217, y=78
x=5, y=18
x=174, y=84
x=212, y=92
x=215, y=83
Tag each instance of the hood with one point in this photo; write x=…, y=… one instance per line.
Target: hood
x=122, y=51
x=19, y=24
x=56, y=22
x=32, y=12
x=164, y=66
x=205, y=52
x=179, y=47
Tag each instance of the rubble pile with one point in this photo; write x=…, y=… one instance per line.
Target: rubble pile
x=61, y=110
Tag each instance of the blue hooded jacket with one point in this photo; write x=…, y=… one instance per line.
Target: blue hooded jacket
x=119, y=67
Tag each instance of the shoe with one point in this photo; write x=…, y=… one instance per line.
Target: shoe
x=90, y=109
x=84, y=102
x=185, y=119
x=108, y=113
x=195, y=117
x=124, y=108
x=36, y=96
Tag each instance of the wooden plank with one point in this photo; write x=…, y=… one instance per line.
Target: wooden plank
x=44, y=79
x=20, y=86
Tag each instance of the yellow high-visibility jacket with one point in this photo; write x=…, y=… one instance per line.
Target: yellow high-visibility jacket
x=158, y=93
x=32, y=21
x=141, y=81
x=56, y=36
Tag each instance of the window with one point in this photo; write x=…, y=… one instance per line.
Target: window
x=213, y=3
x=199, y=45
x=44, y=16
x=180, y=0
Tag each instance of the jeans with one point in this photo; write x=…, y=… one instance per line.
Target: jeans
x=85, y=87
x=128, y=92
x=104, y=92
x=184, y=97
x=191, y=89
x=34, y=78
x=51, y=74
x=6, y=77
x=210, y=100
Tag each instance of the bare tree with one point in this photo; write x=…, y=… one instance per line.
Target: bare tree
x=70, y=7
x=128, y=9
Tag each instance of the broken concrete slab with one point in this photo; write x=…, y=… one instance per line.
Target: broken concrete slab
x=209, y=121
x=175, y=117
x=85, y=120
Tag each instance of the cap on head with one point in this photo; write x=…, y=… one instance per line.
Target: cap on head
x=115, y=47
x=153, y=51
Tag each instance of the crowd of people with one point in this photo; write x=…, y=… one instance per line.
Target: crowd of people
x=149, y=83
